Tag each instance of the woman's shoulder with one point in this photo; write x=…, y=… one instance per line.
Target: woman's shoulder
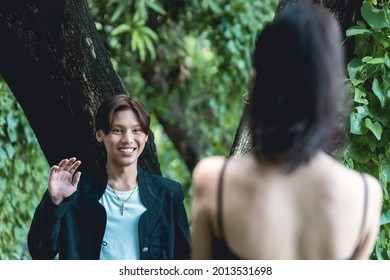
x=207, y=171
x=209, y=162
x=351, y=178
x=375, y=191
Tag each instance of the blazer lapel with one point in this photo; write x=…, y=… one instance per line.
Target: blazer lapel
x=150, y=196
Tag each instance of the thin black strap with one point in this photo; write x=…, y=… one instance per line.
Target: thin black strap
x=219, y=200
x=364, y=217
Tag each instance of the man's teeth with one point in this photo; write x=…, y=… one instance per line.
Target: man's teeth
x=127, y=150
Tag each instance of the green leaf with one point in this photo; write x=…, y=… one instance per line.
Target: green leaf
x=354, y=66
x=380, y=252
x=139, y=19
x=157, y=7
x=356, y=82
x=383, y=38
x=349, y=162
x=150, y=47
x=122, y=28
x=357, y=30
x=214, y=7
x=119, y=10
x=141, y=10
x=358, y=153
x=135, y=37
x=376, y=88
x=385, y=217
x=9, y=148
x=374, y=17
x=384, y=170
x=371, y=60
x=3, y=158
x=375, y=128
x=149, y=32
x=138, y=44
x=231, y=46
x=356, y=126
x=361, y=110
x=12, y=123
x=387, y=60
x=360, y=95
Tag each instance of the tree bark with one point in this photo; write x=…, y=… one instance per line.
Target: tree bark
x=347, y=13
x=58, y=69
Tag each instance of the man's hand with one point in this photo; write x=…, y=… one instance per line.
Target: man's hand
x=62, y=180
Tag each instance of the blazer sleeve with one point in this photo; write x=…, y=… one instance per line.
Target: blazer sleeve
x=182, y=231
x=43, y=236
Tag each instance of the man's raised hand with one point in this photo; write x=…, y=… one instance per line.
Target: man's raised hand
x=63, y=180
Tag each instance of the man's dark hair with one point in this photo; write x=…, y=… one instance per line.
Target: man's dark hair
x=117, y=103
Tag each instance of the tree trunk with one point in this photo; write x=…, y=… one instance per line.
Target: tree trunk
x=58, y=69
x=347, y=13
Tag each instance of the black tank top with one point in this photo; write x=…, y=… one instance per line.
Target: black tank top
x=221, y=250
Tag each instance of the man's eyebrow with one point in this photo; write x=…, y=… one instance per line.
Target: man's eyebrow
x=121, y=125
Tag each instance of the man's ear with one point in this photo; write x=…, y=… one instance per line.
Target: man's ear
x=100, y=136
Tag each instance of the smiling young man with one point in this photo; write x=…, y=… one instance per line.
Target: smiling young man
x=120, y=213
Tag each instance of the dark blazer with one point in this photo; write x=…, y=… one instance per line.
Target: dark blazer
x=75, y=228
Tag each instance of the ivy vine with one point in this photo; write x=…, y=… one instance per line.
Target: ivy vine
x=369, y=80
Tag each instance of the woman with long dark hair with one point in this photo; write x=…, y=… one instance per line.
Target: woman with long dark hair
x=289, y=199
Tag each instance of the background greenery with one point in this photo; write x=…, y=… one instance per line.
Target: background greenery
x=23, y=173
x=215, y=41
x=369, y=79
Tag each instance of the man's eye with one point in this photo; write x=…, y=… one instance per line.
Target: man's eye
x=137, y=130
x=117, y=131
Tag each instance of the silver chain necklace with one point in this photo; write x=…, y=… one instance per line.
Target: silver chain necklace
x=122, y=207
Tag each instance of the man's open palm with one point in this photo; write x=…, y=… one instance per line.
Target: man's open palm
x=63, y=180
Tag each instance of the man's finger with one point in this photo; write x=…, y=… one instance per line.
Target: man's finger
x=74, y=166
x=76, y=178
x=53, y=169
x=63, y=163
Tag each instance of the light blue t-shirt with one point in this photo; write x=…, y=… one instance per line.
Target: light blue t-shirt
x=120, y=240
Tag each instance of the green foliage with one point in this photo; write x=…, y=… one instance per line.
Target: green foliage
x=23, y=170
x=232, y=27
x=221, y=64
x=369, y=79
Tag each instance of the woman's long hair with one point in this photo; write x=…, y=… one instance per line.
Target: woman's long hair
x=299, y=62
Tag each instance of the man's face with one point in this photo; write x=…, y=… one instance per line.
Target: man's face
x=126, y=140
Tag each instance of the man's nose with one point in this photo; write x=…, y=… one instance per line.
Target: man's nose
x=128, y=137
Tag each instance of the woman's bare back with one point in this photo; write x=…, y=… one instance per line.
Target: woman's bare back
x=316, y=212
